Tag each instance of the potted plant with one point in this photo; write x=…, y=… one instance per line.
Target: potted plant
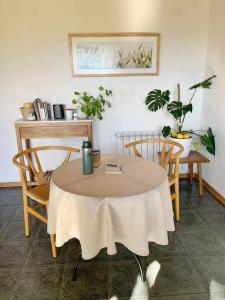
x=90, y=106
x=157, y=99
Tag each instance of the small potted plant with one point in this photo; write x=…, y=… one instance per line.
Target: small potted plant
x=89, y=106
x=157, y=99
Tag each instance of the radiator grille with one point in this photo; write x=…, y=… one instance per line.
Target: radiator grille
x=148, y=150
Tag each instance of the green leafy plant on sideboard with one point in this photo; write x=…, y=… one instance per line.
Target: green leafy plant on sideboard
x=157, y=99
x=93, y=106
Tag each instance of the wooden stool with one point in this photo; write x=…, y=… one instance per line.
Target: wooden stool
x=194, y=157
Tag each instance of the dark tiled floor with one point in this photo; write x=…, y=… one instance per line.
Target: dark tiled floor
x=191, y=267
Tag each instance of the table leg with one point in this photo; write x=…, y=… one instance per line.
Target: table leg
x=200, y=183
x=191, y=173
x=75, y=268
x=140, y=266
x=137, y=258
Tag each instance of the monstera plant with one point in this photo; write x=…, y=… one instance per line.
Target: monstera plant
x=158, y=99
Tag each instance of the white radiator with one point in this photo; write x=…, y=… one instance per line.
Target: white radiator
x=147, y=150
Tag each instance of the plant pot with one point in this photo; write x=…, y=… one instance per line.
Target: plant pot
x=186, y=143
x=80, y=114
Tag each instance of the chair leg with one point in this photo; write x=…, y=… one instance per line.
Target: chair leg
x=52, y=237
x=177, y=201
x=177, y=208
x=26, y=215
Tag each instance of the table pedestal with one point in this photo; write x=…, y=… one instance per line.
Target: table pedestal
x=136, y=257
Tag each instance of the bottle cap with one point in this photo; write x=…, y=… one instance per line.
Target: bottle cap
x=87, y=144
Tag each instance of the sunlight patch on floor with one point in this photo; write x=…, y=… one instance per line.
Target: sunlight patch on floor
x=217, y=290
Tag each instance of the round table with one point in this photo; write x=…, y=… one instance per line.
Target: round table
x=131, y=208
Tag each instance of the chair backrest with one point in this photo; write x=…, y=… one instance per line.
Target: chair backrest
x=170, y=149
x=33, y=163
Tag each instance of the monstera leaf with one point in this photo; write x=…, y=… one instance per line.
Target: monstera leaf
x=177, y=109
x=208, y=140
x=157, y=99
x=166, y=131
x=206, y=84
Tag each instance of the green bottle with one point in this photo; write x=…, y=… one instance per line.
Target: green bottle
x=87, y=158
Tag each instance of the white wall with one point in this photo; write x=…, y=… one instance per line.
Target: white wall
x=34, y=60
x=213, y=109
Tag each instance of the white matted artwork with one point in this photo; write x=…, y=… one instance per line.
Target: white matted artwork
x=124, y=54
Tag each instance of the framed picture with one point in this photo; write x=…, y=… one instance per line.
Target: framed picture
x=114, y=54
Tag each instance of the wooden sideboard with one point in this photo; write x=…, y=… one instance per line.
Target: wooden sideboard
x=28, y=130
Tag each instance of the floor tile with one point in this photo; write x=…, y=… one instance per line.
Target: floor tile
x=91, y=282
x=15, y=231
x=220, y=234
x=13, y=253
x=136, y=298
x=212, y=270
x=214, y=217
x=40, y=282
x=8, y=279
x=174, y=248
x=202, y=296
x=2, y=226
x=11, y=197
x=187, y=189
x=40, y=253
x=177, y=276
x=193, y=203
x=41, y=232
x=198, y=244
x=18, y=215
x=190, y=221
x=217, y=295
x=7, y=212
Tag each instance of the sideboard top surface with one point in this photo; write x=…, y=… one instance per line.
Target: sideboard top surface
x=21, y=122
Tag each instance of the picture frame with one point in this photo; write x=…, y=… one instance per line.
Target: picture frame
x=114, y=54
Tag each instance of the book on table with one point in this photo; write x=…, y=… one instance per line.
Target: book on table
x=113, y=168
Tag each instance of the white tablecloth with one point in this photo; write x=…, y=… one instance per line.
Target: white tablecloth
x=101, y=209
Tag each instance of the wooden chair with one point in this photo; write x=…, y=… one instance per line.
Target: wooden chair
x=39, y=189
x=166, y=154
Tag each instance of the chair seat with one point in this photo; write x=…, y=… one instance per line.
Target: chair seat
x=172, y=180
x=40, y=193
